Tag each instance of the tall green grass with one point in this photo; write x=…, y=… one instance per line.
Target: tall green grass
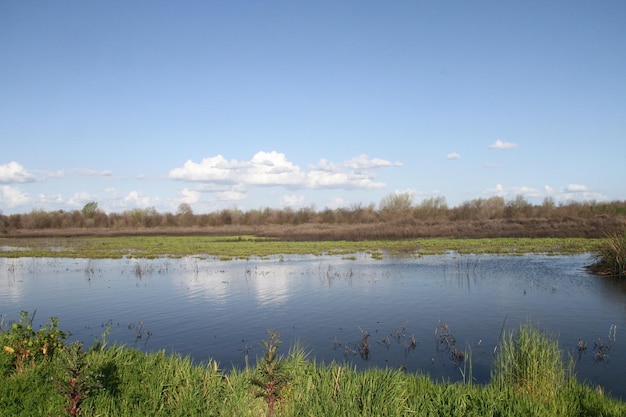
x=530, y=362
x=528, y=379
x=611, y=257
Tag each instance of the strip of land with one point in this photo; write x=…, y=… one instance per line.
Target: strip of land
x=244, y=246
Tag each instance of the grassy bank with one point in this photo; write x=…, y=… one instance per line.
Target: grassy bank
x=529, y=379
x=244, y=246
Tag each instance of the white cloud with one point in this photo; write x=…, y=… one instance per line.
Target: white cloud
x=216, y=169
x=13, y=196
x=576, y=188
x=189, y=196
x=13, y=172
x=274, y=169
x=210, y=187
x=580, y=192
x=231, y=195
x=265, y=168
x=136, y=199
x=55, y=199
x=582, y=196
x=293, y=200
x=324, y=165
x=498, y=144
x=363, y=162
x=525, y=191
x=498, y=190
x=454, y=155
x=80, y=199
x=347, y=180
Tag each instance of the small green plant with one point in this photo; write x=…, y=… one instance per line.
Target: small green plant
x=26, y=345
x=76, y=380
x=270, y=378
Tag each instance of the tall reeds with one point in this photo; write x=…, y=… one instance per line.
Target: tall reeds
x=611, y=258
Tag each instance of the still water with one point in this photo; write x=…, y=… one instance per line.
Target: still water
x=221, y=310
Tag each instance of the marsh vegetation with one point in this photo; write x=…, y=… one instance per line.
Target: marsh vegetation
x=530, y=377
x=397, y=216
x=610, y=258
x=42, y=374
x=243, y=247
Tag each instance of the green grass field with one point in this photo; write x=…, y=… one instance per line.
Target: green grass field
x=227, y=247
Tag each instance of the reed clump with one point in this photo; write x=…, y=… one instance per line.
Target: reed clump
x=611, y=257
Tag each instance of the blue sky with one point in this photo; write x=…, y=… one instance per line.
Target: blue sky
x=252, y=104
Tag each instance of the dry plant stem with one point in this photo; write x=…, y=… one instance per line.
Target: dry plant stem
x=336, y=379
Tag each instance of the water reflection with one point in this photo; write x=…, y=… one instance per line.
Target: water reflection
x=418, y=314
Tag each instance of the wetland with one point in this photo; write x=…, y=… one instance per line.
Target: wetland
x=427, y=311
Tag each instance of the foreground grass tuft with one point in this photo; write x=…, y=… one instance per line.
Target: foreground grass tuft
x=530, y=363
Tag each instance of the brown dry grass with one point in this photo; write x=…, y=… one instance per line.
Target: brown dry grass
x=595, y=227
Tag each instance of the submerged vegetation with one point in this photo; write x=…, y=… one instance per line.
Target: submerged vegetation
x=528, y=379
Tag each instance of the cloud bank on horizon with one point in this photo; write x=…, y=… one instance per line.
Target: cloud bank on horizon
x=230, y=181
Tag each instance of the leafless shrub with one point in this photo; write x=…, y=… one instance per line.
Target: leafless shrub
x=396, y=218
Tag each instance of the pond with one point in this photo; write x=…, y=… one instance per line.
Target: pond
x=419, y=312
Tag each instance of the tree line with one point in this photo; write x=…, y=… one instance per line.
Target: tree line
x=396, y=208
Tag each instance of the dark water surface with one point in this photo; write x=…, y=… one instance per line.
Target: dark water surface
x=221, y=310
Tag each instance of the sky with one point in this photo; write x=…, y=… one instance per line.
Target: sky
x=316, y=104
